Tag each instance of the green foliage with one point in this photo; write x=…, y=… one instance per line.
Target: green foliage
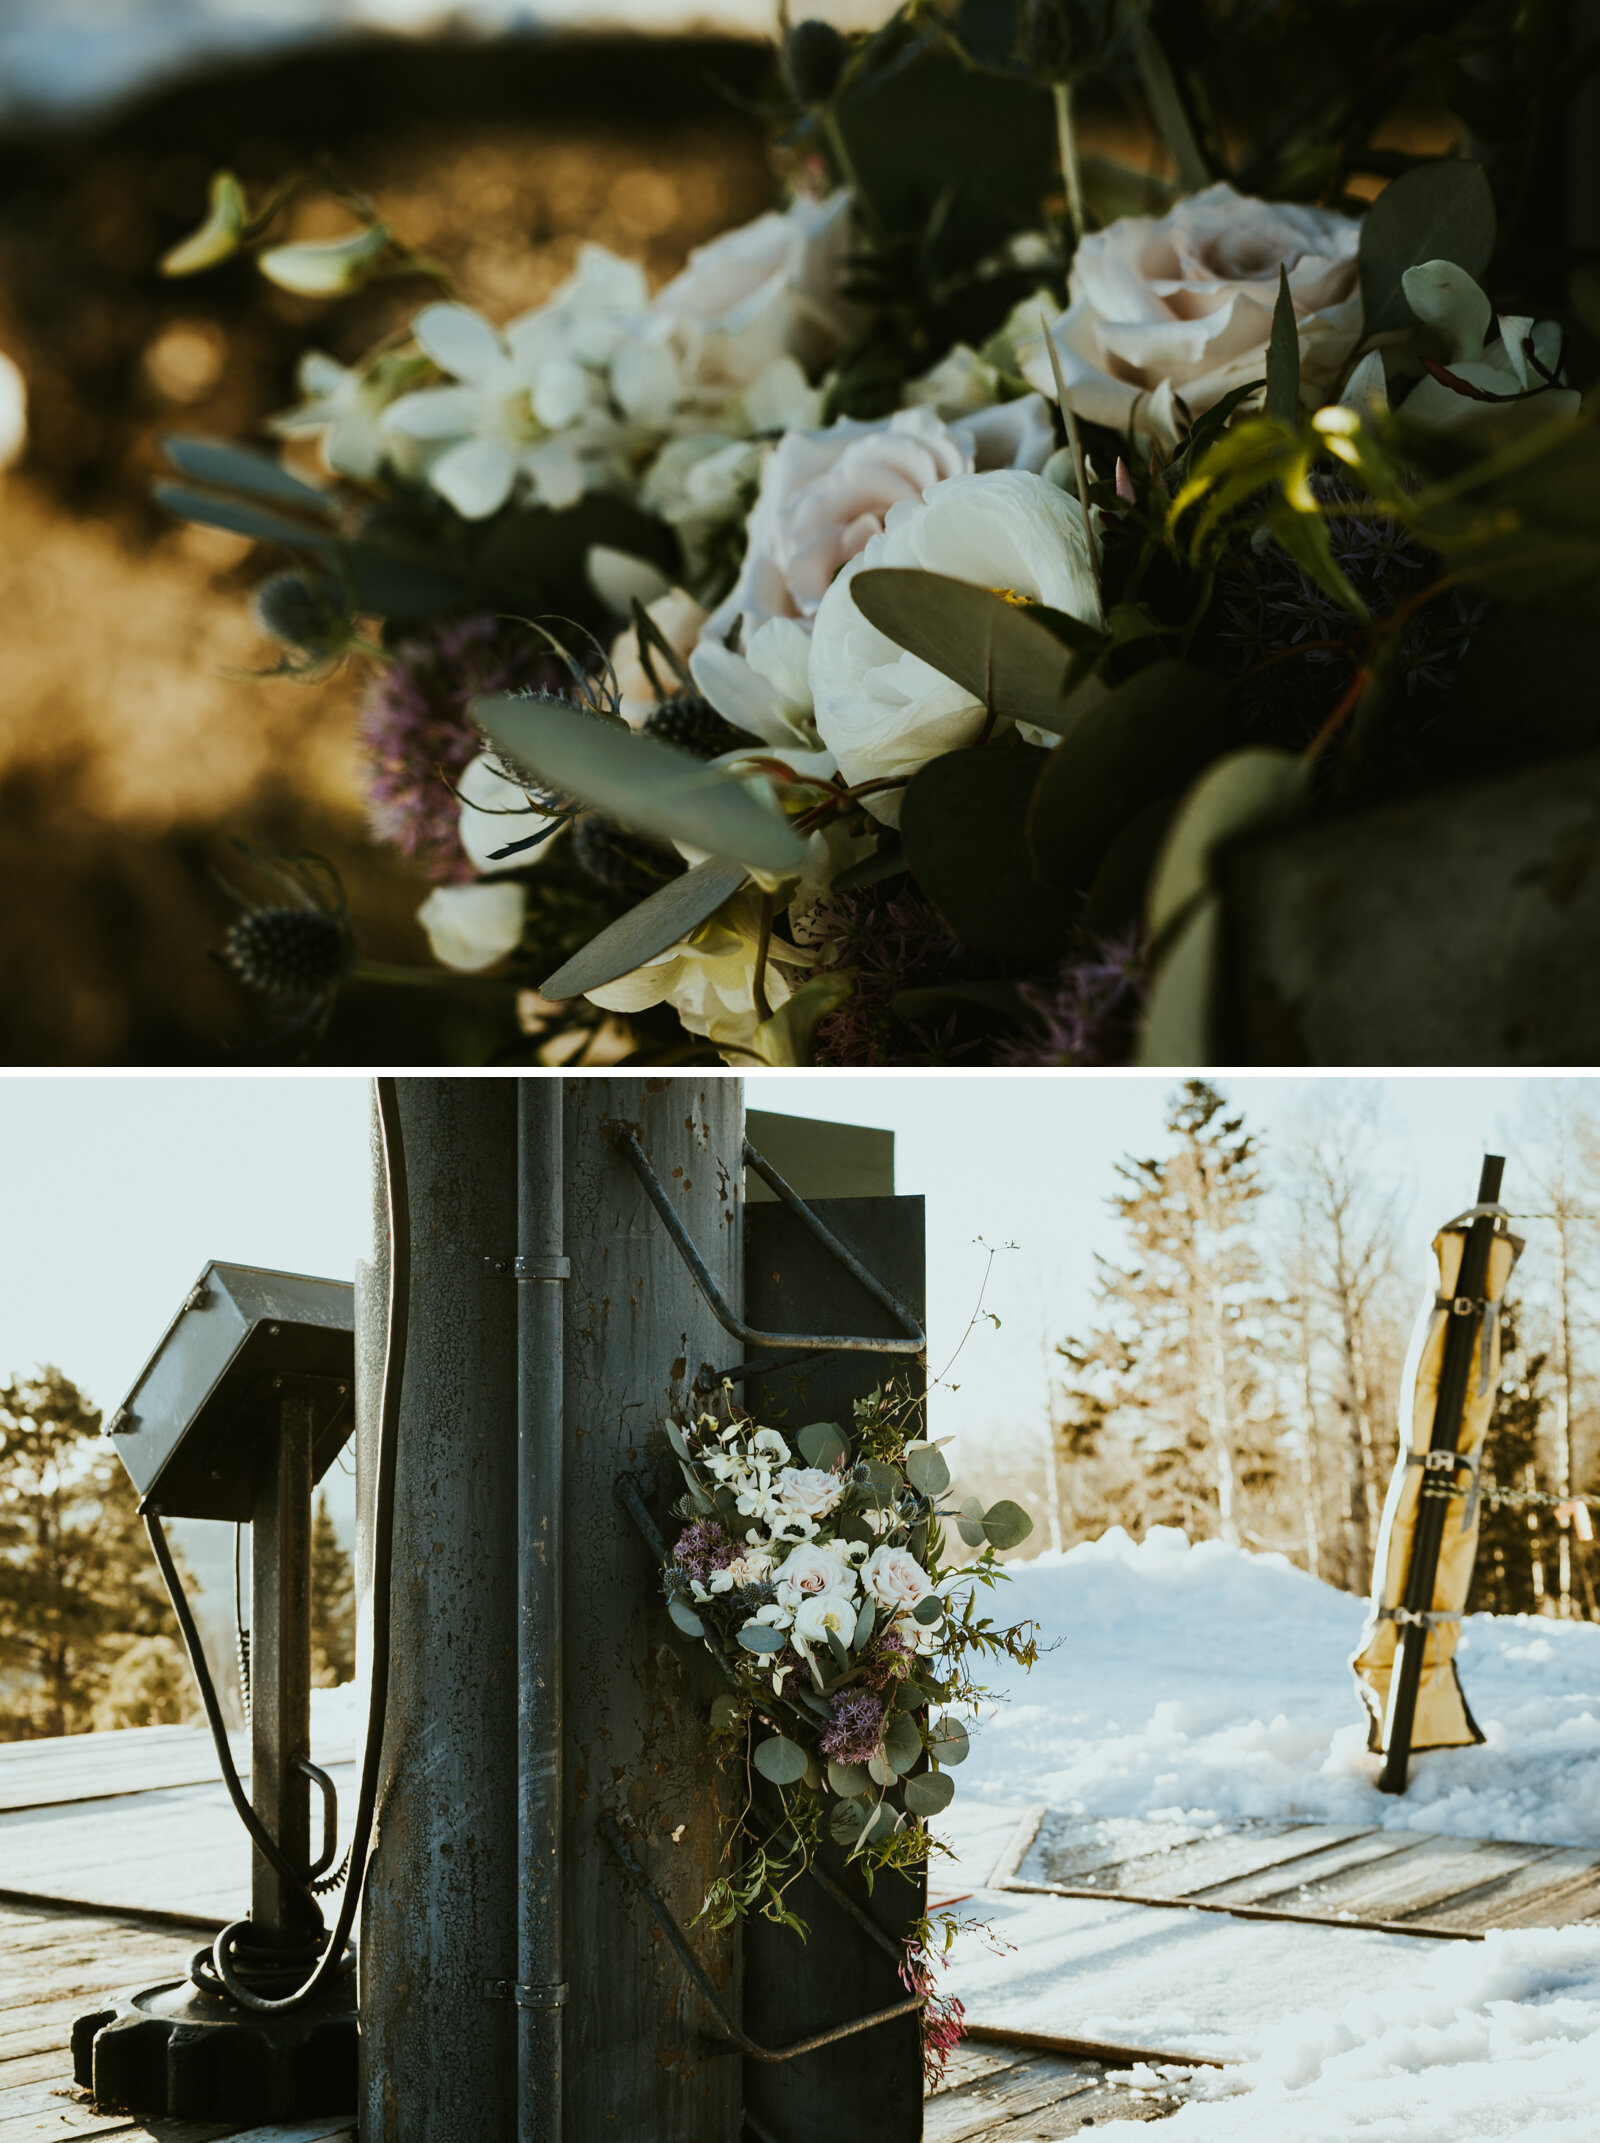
x=963, y=824
x=1439, y=211
x=661, y=919
x=78, y=1585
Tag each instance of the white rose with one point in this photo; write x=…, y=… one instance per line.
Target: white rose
x=895, y=1579
x=884, y=712
x=764, y=292
x=809, y=1489
x=1181, y=305
x=495, y=811
x=472, y=926
x=825, y=494
x=811, y=1573
x=816, y=1616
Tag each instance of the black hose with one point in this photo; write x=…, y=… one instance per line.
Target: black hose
x=216, y=1971
x=394, y=1356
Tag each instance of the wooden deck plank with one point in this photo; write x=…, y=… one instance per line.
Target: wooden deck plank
x=1563, y=1885
x=1026, y=2088
x=1291, y=1879
x=1415, y=1885
x=1077, y=1849
x=1188, y=1867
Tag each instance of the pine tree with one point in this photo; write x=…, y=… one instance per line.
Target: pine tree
x=1509, y=1576
x=77, y=1580
x=333, y=1605
x=1178, y=1369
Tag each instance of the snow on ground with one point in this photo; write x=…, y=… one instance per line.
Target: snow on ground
x=1211, y=1682
x=1205, y=1682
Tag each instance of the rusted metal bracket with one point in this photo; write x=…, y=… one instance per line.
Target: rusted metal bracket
x=801, y=1344
x=734, y=2036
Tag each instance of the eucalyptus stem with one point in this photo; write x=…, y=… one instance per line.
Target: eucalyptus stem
x=1072, y=176
x=758, y=985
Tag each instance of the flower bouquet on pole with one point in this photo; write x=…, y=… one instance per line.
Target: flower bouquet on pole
x=880, y=643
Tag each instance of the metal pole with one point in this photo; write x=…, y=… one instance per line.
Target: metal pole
x=541, y=1270
x=1460, y=1352
x=438, y=1915
x=280, y=1676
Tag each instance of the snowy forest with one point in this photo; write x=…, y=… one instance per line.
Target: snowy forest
x=1239, y=1375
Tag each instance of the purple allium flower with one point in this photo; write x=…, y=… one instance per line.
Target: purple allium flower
x=1087, y=1014
x=856, y=1728
x=702, y=1548
x=418, y=732
x=1266, y=606
x=896, y=939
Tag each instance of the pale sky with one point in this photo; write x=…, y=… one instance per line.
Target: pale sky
x=118, y=1189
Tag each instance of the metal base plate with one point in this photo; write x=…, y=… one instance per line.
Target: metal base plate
x=175, y=2051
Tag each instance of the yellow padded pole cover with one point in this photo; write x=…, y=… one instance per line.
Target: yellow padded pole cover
x=1442, y=1718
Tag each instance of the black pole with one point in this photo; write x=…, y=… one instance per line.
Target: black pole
x=280, y=1667
x=1460, y=1353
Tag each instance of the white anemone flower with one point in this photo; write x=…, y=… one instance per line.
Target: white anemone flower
x=343, y=410
x=1446, y=299
x=495, y=812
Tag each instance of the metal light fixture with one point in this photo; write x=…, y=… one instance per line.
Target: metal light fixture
x=240, y=1411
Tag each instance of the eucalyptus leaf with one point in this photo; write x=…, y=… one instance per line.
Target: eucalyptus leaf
x=849, y=1781
x=1283, y=357
x=849, y=1819
x=902, y=1744
x=1006, y=1525
x=963, y=821
x=1150, y=735
x=970, y=1523
x=1246, y=790
x=762, y=1637
x=781, y=1760
x=881, y=1771
x=1439, y=211
x=929, y=1792
x=1180, y=1012
x=660, y=920
x=928, y=1610
x=822, y=1445
x=947, y=1741
x=726, y=1711
x=686, y=1618
x=241, y=468
x=866, y=1618
x=885, y=1482
x=241, y=518
x=676, y=1438
x=644, y=783
x=841, y=1656
x=926, y=1470
x=1017, y=659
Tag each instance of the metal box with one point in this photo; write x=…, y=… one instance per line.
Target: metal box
x=244, y=1339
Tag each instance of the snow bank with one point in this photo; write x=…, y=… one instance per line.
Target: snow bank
x=1208, y=1682
x=1499, y=2039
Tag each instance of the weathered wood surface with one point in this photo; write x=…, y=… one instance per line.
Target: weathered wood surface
x=55, y=1966
x=1346, y=1873
x=138, y=1759
x=996, y=2094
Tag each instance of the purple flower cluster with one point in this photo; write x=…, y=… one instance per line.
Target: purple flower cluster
x=419, y=734
x=895, y=939
x=889, y=1659
x=702, y=1548
x=1267, y=607
x=1087, y=1013
x=856, y=1729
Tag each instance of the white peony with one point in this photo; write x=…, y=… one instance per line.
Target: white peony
x=1446, y=299
x=885, y=712
x=809, y=1572
x=809, y=1490
x=471, y=926
x=895, y=1579
x=761, y=296
x=495, y=811
x=1181, y=306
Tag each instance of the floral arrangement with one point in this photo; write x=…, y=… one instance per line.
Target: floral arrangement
x=870, y=646
x=814, y=1570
